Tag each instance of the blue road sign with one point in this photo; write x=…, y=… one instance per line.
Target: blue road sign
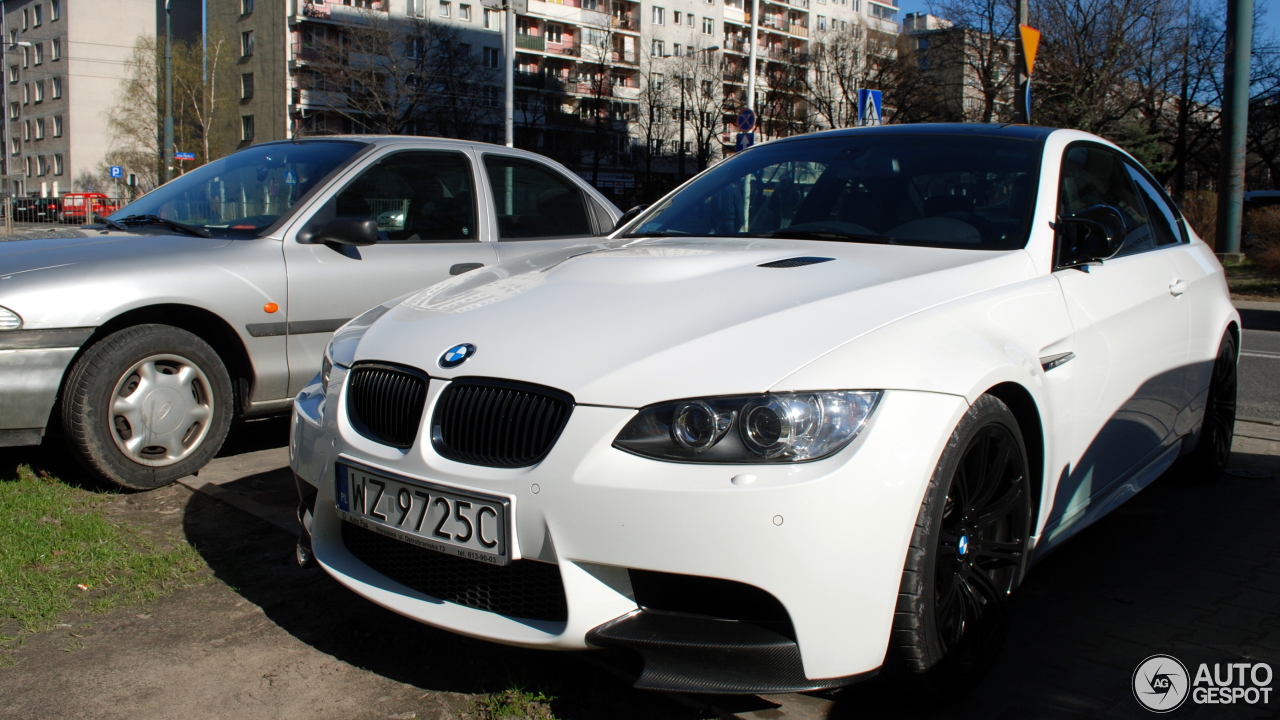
x=116, y=171
x=869, y=107
x=744, y=141
x=746, y=120
x=184, y=156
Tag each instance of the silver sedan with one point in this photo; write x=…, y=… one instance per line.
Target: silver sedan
x=213, y=297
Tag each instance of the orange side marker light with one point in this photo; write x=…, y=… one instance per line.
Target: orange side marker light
x=271, y=307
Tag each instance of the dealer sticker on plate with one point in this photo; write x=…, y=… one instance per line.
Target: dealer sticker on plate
x=462, y=523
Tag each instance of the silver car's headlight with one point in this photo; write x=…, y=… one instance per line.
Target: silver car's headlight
x=750, y=429
x=9, y=320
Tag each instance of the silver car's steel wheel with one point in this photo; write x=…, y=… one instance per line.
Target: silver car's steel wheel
x=160, y=410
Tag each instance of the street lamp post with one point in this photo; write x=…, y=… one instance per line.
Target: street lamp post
x=168, y=94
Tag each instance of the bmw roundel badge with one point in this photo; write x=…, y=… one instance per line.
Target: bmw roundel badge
x=456, y=355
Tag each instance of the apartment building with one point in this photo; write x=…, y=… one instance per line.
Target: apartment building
x=580, y=67
x=971, y=74
x=64, y=62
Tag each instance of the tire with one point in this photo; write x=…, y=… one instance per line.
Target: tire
x=1208, y=459
x=968, y=552
x=147, y=405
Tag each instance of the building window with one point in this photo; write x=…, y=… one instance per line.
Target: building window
x=246, y=7
x=55, y=49
x=55, y=10
x=26, y=93
x=688, y=19
x=26, y=57
x=676, y=50
x=444, y=9
x=39, y=128
x=491, y=58
x=659, y=49
x=246, y=86
x=57, y=126
x=39, y=91
x=15, y=111
x=39, y=15
x=555, y=33
x=246, y=43
x=57, y=88
x=490, y=19
x=26, y=19
x=43, y=163
x=13, y=74
x=677, y=18
x=57, y=164
x=39, y=48
x=464, y=13
x=659, y=15
x=246, y=127
x=26, y=165
x=15, y=147
x=708, y=26
x=26, y=130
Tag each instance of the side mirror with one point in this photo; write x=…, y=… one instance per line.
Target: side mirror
x=1090, y=236
x=628, y=216
x=358, y=231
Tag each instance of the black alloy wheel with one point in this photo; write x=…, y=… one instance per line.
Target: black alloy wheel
x=968, y=553
x=1208, y=460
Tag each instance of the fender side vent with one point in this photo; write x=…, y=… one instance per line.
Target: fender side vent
x=795, y=262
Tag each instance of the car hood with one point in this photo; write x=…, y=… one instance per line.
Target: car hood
x=44, y=249
x=628, y=323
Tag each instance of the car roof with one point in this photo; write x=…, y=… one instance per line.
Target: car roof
x=1019, y=132
x=395, y=139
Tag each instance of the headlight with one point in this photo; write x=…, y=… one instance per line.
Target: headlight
x=341, y=350
x=9, y=320
x=749, y=429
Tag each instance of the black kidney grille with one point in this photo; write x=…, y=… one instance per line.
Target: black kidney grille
x=497, y=423
x=524, y=589
x=384, y=403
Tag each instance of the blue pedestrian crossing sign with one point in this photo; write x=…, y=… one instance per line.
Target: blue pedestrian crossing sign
x=290, y=178
x=116, y=171
x=869, y=107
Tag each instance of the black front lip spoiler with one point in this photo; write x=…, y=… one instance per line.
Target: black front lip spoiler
x=706, y=655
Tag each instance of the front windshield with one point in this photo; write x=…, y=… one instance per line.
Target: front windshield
x=911, y=189
x=245, y=192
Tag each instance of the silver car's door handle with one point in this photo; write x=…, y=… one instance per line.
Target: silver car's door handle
x=1179, y=287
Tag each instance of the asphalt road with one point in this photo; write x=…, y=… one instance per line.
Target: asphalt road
x=1260, y=362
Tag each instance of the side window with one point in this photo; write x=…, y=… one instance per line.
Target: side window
x=1097, y=176
x=534, y=201
x=415, y=196
x=1164, y=222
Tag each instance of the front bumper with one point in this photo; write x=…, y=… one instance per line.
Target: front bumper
x=827, y=539
x=32, y=364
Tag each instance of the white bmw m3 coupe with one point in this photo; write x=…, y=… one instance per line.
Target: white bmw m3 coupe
x=824, y=405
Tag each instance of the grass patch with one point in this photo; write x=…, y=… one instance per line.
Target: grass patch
x=515, y=703
x=1249, y=279
x=59, y=552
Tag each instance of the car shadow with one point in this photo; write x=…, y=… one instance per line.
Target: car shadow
x=1255, y=319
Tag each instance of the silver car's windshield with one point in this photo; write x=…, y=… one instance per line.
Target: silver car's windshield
x=245, y=192
x=968, y=192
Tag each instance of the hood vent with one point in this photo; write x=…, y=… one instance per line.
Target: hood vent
x=795, y=262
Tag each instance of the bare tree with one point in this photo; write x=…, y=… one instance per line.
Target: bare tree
x=837, y=70
x=400, y=76
x=654, y=115
x=980, y=45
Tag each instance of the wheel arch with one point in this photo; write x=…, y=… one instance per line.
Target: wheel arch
x=202, y=323
x=1027, y=412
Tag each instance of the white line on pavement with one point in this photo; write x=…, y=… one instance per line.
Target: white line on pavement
x=1273, y=356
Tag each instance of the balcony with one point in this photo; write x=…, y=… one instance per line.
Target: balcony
x=321, y=99
x=803, y=4
x=626, y=23
x=624, y=58
x=539, y=81
x=570, y=49
x=537, y=43
x=303, y=53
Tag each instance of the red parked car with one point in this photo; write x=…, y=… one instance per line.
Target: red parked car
x=78, y=207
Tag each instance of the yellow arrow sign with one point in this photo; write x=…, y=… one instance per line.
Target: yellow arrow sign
x=1030, y=42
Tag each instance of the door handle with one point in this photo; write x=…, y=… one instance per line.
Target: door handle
x=1178, y=287
x=464, y=267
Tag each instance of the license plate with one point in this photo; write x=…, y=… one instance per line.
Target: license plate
x=466, y=524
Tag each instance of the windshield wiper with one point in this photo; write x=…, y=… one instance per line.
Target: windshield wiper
x=830, y=235
x=111, y=224
x=659, y=233
x=173, y=224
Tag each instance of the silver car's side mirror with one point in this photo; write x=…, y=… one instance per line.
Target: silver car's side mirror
x=358, y=231
x=628, y=216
